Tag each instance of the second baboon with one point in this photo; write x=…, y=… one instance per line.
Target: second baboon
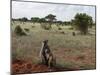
x=51, y=60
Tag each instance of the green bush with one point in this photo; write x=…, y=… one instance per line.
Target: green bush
x=19, y=31
x=33, y=26
x=62, y=32
x=46, y=26
x=26, y=29
x=71, y=28
x=82, y=22
x=59, y=28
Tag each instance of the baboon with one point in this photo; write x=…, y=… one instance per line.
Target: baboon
x=42, y=52
x=46, y=55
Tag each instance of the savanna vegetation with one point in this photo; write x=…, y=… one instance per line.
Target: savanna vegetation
x=72, y=42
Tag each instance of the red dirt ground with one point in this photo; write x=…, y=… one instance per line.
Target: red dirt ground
x=22, y=67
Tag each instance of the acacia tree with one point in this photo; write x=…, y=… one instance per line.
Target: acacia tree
x=50, y=18
x=82, y=21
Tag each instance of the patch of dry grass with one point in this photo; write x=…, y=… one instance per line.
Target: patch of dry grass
x=70, y=51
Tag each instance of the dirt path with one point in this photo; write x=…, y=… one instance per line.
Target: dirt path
x=22, y=67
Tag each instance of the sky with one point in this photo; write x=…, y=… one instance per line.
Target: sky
x=63, y=12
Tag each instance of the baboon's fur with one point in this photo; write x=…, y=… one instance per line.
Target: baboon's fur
x=46, y=55
x=50, y=59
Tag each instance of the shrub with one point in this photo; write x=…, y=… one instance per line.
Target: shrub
x=46, y=26
x=82, y=21
x=59, y=28
x=62, y=32
x=33, y=26
x=26, y=29
x=73, y=33
x=71, y=28
x=19, y=31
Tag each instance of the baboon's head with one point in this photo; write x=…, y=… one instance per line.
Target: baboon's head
x=45, y=41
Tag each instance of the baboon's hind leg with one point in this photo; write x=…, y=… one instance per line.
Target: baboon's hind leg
x=50, y=62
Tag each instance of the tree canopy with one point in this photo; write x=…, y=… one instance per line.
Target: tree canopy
x=35, y=19
x=82, y=21
x=50, y=18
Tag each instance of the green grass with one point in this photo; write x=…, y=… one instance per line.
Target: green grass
x=66, y=47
